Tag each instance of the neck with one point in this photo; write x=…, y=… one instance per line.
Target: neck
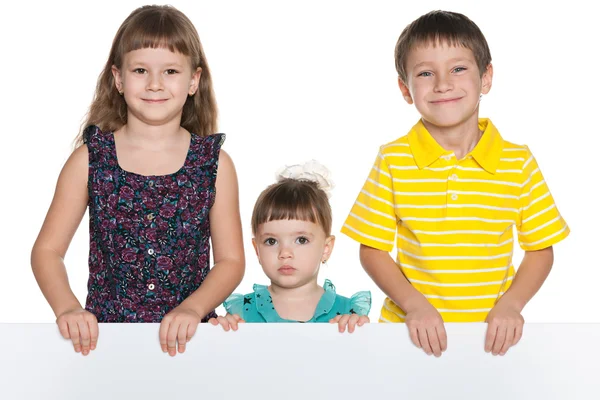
x=296, y=294
x=460, y=139
x=149, y=136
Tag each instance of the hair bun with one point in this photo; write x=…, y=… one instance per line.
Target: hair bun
x=312, y=171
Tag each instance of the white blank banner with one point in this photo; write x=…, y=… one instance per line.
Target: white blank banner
x=290, y=361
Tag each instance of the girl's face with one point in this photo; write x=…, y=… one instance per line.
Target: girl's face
x=291, y=251
x=155, y=83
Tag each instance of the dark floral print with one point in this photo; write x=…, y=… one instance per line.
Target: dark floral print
x=149, y=235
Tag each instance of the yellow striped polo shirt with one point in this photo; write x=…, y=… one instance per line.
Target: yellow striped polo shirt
x=452, y=220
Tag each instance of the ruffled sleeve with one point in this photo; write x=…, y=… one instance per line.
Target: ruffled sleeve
x=360, y=303
x=234, y=304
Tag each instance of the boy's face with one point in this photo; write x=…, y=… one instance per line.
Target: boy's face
x=444, y=83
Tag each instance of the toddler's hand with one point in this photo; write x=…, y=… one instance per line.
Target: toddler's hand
x=177, y=328
x=81, y=327
x=427, y=331
x=505, y=328
x=350, y=320
x=228, y=321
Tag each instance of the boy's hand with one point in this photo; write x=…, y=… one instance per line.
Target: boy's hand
x=350, y=320
x=228, y=321
x=81, y=327
x=177, y=328
x=426, y=328
x=505, y=328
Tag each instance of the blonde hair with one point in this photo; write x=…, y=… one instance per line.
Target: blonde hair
x=154, y=27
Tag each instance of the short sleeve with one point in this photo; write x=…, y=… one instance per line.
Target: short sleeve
x=360, y=303
x=234, y=304
x=372, y=219
x=539, y=225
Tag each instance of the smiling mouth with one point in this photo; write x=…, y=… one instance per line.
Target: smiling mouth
x=154, y=101
x=445, y=101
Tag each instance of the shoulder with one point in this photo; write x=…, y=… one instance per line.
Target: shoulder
x=399, y=145
x=359, y=303
x=243, y=305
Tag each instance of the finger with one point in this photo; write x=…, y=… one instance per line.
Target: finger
x=172, y=337
x=434, y=341
x=335, y=320
x=352, y=321
x=490, y=336
x=63, y=328
x=224, y=323
x=518, y=333
x=238, y=318
x=424, y=340
x=191, y=331
x=500, y=338
x=343, y=322
x=363, y=320
x=412, y=331
x=182, y=336
x=162, y=334
x=74, y=335
x=84, y=334
x=232, y=321
x=510, y=337
x=213, y=321
x=441, y=334
x=93, y=327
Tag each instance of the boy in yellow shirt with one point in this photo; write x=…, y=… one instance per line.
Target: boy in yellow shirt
x=448, y=195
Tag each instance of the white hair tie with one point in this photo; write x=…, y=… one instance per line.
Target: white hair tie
x=312, y=171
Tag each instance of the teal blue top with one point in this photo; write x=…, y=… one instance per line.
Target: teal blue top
x=258, y=305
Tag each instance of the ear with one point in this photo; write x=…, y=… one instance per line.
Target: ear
x=486, y=79
x=195, y=81
x=405, y=91
x=255, y=247
x=328, y=249
x=118, y=78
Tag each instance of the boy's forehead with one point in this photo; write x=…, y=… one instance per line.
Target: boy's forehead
x=438, y=51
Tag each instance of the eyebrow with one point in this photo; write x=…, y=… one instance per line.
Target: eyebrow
x=143, y=64
x=293, y=233
x=452, y=60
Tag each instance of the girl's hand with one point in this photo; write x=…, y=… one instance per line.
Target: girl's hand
x=228, y=321
x=426, y=328
x=505, y=328
x=350, y=320
x=177, y=328
x=81, y=327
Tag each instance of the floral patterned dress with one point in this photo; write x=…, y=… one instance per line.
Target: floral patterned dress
x=149, y=235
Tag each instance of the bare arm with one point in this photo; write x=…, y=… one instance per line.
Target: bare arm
x=227, y=241
x=65, y=213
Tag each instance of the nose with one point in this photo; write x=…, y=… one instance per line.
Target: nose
x=285, y=252
x=443, y=83
x=154, y=81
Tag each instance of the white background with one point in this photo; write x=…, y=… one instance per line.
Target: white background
x=301, y=80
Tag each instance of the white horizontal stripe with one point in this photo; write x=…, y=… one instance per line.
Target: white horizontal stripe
x=395, y=145
x=461, y=284
x=420, y=180
x=439, y=168
x=533, y=188
x=419, y=206
x=514, y=149
x=420, y=193
x=509, y=171
x=541, y=226
x=453, y=257
x=544, y=239
x=364, y=221
x=368, y=236
x=399, y=314
x=457, y=206
x=470, y=310
x=379, y=185
x=453, y=271
x=490, y=181
x=469, y=169
x=431, y=296
x=358, y=203
x=459, y=232
x=389, y=203
x=529, y=160
x=491, y=221
x=537, y=214
x=404, y=168
x=409, y=155
x=542, y=197
x=502, y=196
x=381, y=172
x=383, y=320
x=512, y=159
x=455, y=244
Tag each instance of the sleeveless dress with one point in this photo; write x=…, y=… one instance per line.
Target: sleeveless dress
x=149, y=235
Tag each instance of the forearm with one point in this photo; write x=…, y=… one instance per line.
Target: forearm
x=220, y=282
x=51, y=275
x=532, y=273
x=390, y=279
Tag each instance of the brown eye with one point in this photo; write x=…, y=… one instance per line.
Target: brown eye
x=302, y=240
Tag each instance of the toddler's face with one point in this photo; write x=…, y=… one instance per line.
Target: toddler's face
x=156, y=83
x=444, y=83
x=291, y=251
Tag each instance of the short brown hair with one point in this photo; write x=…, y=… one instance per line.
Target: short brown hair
x=437, y=27
x=293, y=199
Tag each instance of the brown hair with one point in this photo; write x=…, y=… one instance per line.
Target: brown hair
x=154, y=27
x=292, y=199
x=436, y=27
